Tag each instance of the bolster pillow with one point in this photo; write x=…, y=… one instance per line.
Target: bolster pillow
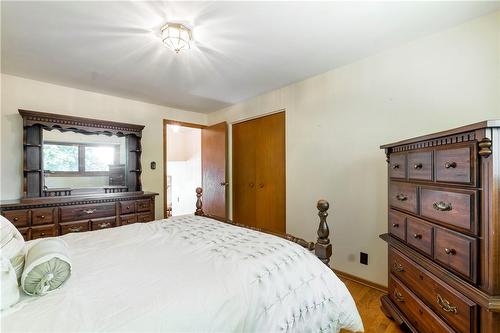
x=46, y=268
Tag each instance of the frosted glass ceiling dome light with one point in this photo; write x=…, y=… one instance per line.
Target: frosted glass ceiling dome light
x=176, y=36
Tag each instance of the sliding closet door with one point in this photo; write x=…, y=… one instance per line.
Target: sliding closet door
x=259, y=172
x=243, y=135
x=270, y=172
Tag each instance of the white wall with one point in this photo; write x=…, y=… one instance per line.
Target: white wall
x=336, y=121
x=20, y=93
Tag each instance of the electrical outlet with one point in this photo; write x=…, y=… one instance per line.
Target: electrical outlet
x=363, y=258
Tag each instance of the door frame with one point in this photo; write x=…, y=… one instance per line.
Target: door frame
x=165, y=123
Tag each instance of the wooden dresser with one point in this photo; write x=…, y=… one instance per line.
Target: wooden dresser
x=444, y=230
x=54, y=216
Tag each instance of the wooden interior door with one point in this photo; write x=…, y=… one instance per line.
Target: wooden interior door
x=270, y=172
x=213, y=165
x=259, y=172
x=244, y=169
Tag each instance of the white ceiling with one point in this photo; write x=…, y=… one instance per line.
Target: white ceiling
x=242, y=49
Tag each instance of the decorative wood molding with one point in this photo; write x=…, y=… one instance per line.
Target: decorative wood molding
x=52, y=121
x=446, y=140
x=485, y=147
x=73, y=200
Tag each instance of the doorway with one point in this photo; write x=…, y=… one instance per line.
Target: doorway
x=194, y=156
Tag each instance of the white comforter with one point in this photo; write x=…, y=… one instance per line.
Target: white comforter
x=189, y=274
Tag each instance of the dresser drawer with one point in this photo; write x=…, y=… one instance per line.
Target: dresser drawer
x=67, y=228
x=419, y=235
x=397, y=165
x=456, y=251
x=98, y=224
x=458, y=311
x=397, y=224
x=420, y=316
x=42, y=216
x=127, y=207
x=128, y=219
x=143, y=205
x=403, y=196
x=43, y=231
x=420, y=165
x=19, y=218
x=455, y=165
x=453, y=207
x=25, y=232
x=144, y=217
x=84, y=212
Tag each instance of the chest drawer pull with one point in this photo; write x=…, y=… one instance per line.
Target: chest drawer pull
x=452, y=165
x=417, y=236
x=446, y=305
x=398, y=267
x=89, y=211
x=395, y=225
x=105, y=225
x=450, y=251
x=401, y=197
x=16, y=219
x=395, y=166
x=398, y=297
x=42, y=216
x=418, y=166
x=442, y=206
x=75, y=229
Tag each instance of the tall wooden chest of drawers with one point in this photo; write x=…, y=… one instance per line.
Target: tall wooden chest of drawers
x=444, y=230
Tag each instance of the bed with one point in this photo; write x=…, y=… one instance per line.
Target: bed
x=191, y=274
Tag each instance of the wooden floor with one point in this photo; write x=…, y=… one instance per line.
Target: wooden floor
x=368, y=302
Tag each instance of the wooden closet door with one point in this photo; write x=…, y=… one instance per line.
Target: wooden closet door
x=270, y=172
x=243, y=173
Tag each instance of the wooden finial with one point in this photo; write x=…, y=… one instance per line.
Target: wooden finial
x=323, y=248
x=199, y=203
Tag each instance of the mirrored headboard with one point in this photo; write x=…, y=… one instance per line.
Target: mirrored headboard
x=68, y=156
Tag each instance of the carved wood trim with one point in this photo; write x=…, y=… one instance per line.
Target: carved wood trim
x=485, y=147
x=52, y=121
x=446, y=140
x=322, y=249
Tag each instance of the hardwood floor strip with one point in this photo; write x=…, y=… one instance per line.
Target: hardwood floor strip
x=347, y=276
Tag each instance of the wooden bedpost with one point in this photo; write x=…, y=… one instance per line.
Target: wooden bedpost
x=199, y=203
x=323, y=248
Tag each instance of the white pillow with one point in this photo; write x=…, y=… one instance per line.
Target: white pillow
x=12, y=245
x=47, y=267
x=9, y=286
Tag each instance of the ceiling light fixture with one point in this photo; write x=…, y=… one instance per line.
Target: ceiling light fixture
x=176, y=36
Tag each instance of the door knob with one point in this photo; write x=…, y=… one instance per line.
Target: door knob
x=261, y=185
x=251, y=185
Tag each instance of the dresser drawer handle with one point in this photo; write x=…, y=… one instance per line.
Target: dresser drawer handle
x=450, y=251
x=75, y=229
x=395, y=166
x=418, y=166
x=42, y=216
x=89, y=211
x=401, y=197
x=128, y=207
x=16, y=219
x=452, y=165
x=398, y=267
x=398, y=296
x=104, y=225
x=442, y=206
x=446, y=305
x=417, y=236
x=395, y=225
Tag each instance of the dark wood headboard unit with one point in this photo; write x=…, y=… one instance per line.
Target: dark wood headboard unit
x=35, y=122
